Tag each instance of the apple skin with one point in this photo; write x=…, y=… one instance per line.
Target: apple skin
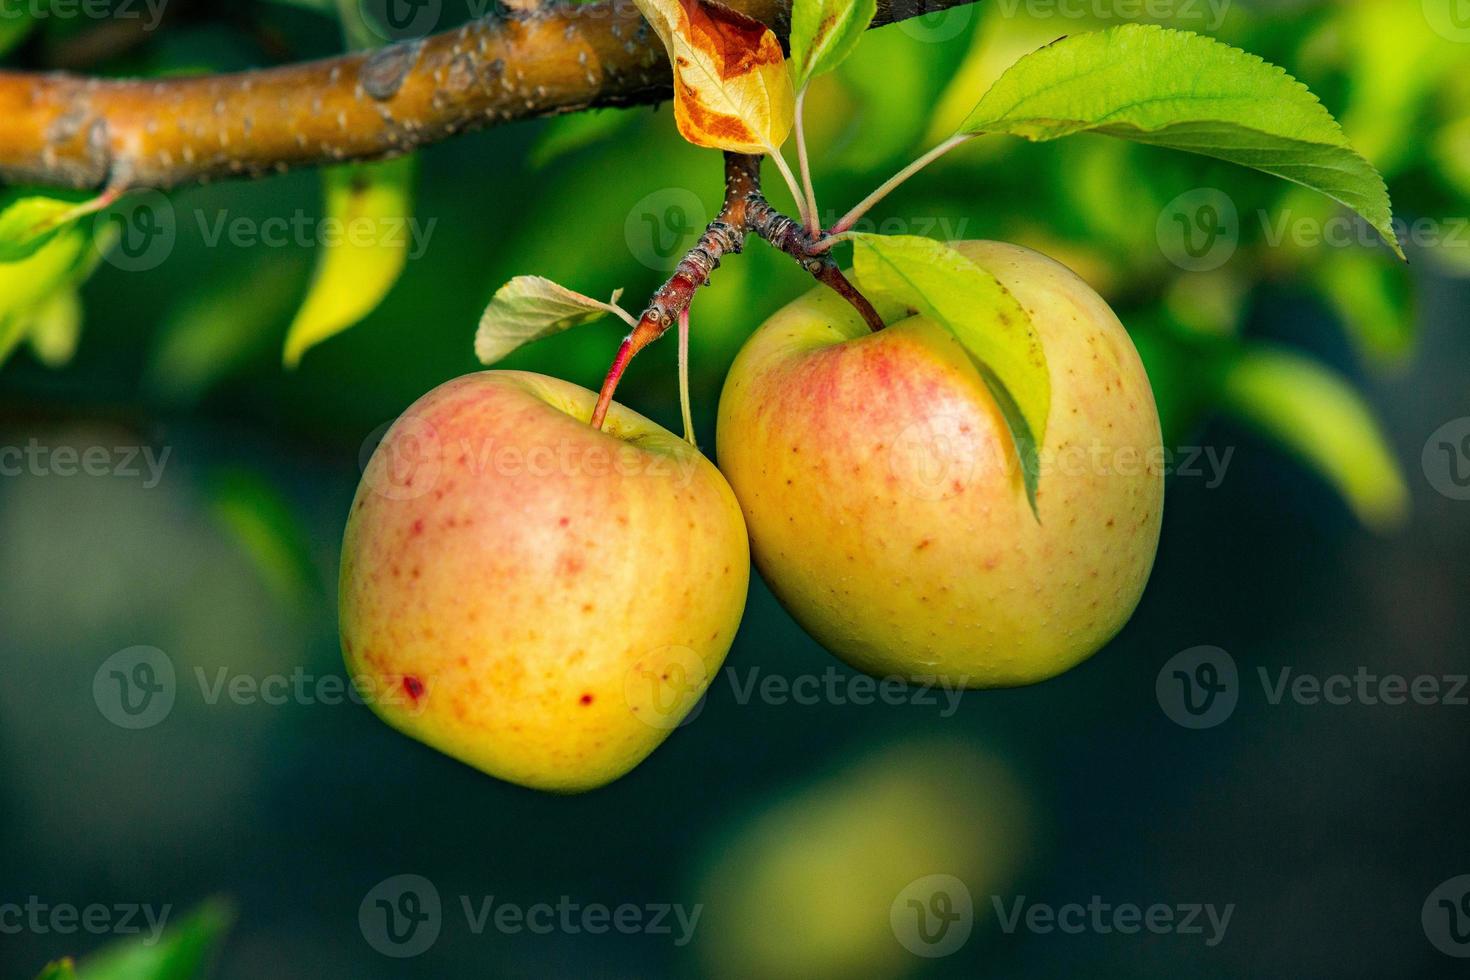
x=885, y=510
x=538, y=599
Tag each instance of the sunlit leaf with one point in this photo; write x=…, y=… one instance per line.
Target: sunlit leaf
x=1189, y=92
x=55, y=327
x=29, y=220
x=60, y=970
x=1318, y=416
x=991, y=325
x=30, y=282
x=265, y=528
x=568, y=134
x=529, y=308
x=824, y=33
x=370, y=204
x=183, y=952
x=731, y=87
x=1371, y=297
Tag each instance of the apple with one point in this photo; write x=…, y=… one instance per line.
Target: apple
x=535, y=597
x=886, y=512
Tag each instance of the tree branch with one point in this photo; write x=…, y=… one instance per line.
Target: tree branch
x=74, y=131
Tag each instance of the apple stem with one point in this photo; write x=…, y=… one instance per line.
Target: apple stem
x=813, y=216
x=855, y=215
x=684, y=378
x=745, y=212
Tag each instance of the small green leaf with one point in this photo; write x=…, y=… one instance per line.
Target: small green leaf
x=60, y=970
x=1318, y=416
x=824, y=33
x=30, y=282
x=1372, y=299
x=987, y=320
x=529, y=308
x=1189, y=92
x=183, y=952
x=568, y=134
x=28, y=221
x=370, y=203
x=262, y=523
x=55, y=327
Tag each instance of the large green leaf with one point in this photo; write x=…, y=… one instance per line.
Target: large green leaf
x=824, y=33
x=370, y=203
x=1189, y=92
x=1318, y=416
x=987, y=320
x=183, y=952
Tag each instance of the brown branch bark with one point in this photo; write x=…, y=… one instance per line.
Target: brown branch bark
x=74, y=131
x=745, y=212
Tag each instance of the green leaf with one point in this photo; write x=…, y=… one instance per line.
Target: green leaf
x=55, y=327
x=1372, y=299
x=182, y=954
x=28, y=221
x=568, y=134
x=529, y=308
x=262, y=523
x=987, y=320
x=60, y=970
x=28, y=283
x=1189, y=92
x=1317, y=415
x=824, y=33
x=371, y=204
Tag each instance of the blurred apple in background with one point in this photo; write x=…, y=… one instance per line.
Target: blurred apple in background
x=821, y=884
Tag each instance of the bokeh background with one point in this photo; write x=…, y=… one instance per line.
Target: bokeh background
x=1334, y=538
